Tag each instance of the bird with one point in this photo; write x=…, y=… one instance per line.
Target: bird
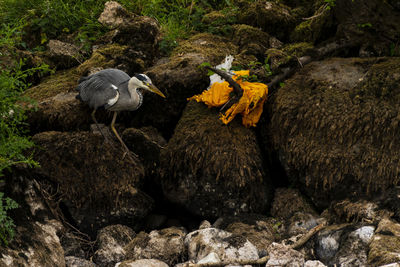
x=114, y=90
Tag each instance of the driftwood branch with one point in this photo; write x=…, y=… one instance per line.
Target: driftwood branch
x=260, y=261
x=299, y=243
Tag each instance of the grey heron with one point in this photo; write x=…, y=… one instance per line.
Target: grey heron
x=116, y=91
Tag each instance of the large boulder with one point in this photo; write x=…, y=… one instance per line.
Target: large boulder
x=334, y=127
x=98, y=185
x=214, y=169
x=180, y=77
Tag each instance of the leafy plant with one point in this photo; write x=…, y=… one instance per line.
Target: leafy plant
x=6, y=222
x=330, y=3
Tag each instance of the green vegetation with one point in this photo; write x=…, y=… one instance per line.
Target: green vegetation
x=6, y=223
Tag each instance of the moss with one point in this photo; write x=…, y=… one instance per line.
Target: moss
x=338, y=133
x=62, y=81
x=104, y=57
x=288, y=54
x=384, y=249
x=313, y=29
x=214, y=47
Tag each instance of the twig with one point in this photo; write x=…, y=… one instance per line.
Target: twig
x=262, y=260
x=236, y=87
x=299, y=243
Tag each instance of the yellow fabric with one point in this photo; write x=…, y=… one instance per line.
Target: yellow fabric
x=250, y=105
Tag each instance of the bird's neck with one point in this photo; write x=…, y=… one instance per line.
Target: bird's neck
x=136, y=96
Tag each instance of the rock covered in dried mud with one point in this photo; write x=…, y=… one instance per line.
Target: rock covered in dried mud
x=166, y=245
x=214, y=169
x=98, y=186
x=325, y=124
x=227, y=246
x=111, y=241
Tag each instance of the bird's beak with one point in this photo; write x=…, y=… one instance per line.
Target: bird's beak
x=154, y=89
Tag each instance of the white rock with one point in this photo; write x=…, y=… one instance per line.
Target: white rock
x=142, y=263
x=281, y=255
x=228, y=247
x=210, y=258
x=314, y=264
x=364, y=233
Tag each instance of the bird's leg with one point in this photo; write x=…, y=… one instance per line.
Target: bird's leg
x=98, y=126
x=117, y=135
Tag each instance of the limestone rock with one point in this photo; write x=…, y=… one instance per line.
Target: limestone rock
x=281, y=255
x=166, y=245
x=142, y=263
x=213, y=169
x=111, y=241
x=314, y=263
x=95, y=196
x=71, y=261
x=227, y=246
x=114, y=15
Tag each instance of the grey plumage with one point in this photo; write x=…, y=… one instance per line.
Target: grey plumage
x=114, y=90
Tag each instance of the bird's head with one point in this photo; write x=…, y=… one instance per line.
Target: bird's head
x=144, y=82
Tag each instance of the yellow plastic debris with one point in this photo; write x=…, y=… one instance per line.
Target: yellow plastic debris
x=250, y=105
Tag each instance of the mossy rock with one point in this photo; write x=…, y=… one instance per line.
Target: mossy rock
x=315, y=29
x=218, y=22
x=368, y=24
x=250, y=40
x=98, y=185
x=273, y=18
x=180, y=77
x=385, y=245
x=287, y=55
x=213, y=169
x=335, y=129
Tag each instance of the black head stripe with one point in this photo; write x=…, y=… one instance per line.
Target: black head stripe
x=141, y=77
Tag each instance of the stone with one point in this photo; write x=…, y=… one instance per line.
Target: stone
x=273, y=18
x=281, y=255
x=227, y=246
x=166, y=245
x=147, y=143
x=212, y=169
x=314, y=263
x=301, y=223
x=336, y=105
x=142, y=263
x=94, y=196
x=179, y=77
x=64, y=55
x=210, y=258
x=111, y=241
x=114, y=15
x=71, y=261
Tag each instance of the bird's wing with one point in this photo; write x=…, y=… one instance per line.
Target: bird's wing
x=98, y=91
